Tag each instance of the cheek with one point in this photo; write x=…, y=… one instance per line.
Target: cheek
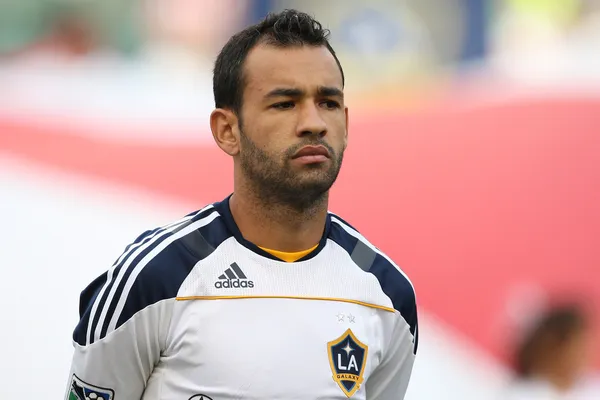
x=268, y=134
x=340, y=140
x=267, y=151
x=338, y=129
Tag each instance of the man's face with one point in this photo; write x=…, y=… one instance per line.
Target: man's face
x=293, y=128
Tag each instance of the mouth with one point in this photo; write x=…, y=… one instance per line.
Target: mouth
x=312, y=154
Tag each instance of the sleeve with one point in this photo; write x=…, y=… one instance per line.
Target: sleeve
x=118, y=340
x=390, y=379
x=126, y=313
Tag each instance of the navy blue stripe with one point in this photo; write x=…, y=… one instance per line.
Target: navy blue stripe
x=162, y=277
x=86, y=300
x=393, y=283
x=142, y=239
x=399, y=290
x=322, y=242
x=345, y=223
x=116, y=271
x=342, y=238
x=119, y=291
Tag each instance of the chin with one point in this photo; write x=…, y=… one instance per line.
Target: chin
x=319, y=185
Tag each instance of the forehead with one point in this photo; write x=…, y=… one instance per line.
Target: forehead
x=308, y=67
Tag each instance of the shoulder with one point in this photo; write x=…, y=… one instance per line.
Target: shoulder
x=394, y=282
x=151, y=269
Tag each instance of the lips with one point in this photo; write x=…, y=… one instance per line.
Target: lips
x=307, y=151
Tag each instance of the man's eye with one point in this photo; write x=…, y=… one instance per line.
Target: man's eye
x=283, y=105
x=330, y=104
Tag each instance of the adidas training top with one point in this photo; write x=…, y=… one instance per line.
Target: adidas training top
x=193, y=311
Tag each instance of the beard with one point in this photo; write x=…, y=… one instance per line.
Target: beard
x=276, y=181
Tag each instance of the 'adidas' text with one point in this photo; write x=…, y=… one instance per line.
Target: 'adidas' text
x=234, y=284
x=233, y=278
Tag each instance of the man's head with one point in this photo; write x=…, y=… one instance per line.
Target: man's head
x=280, y=109
x=556, y=348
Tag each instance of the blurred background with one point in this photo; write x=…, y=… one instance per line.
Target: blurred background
x=474, y=162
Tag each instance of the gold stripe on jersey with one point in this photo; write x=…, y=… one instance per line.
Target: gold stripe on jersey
x=289, y=257
x=362, y=303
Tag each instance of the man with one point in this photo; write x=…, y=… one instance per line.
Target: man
x=552, y=357
x=264, y=295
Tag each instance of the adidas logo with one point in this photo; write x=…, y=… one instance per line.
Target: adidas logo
x=233, y=278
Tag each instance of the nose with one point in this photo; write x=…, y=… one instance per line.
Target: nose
x=310, y=121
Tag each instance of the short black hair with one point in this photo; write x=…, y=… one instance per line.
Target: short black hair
x=285, y=29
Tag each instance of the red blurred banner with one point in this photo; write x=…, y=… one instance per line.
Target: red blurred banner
x=473, y=203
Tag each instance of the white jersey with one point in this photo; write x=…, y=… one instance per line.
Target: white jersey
x=193, y=311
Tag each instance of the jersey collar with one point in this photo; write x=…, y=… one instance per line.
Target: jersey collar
x=223, y=208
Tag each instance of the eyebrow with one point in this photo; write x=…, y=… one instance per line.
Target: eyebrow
x=323, y=91
x=285, y=92
x=329, y=91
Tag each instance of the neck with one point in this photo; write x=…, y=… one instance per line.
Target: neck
x=278, y=226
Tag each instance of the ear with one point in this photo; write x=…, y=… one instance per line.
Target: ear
x=346, y=134
x=225, y=131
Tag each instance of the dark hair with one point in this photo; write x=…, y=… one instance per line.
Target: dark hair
x=554, y=329
x=285, y=29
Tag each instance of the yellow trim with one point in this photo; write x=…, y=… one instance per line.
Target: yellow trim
x=290, y=257
x=360, y=378
x=361, y=303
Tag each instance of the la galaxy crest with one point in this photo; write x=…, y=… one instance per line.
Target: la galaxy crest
x=347, y=358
